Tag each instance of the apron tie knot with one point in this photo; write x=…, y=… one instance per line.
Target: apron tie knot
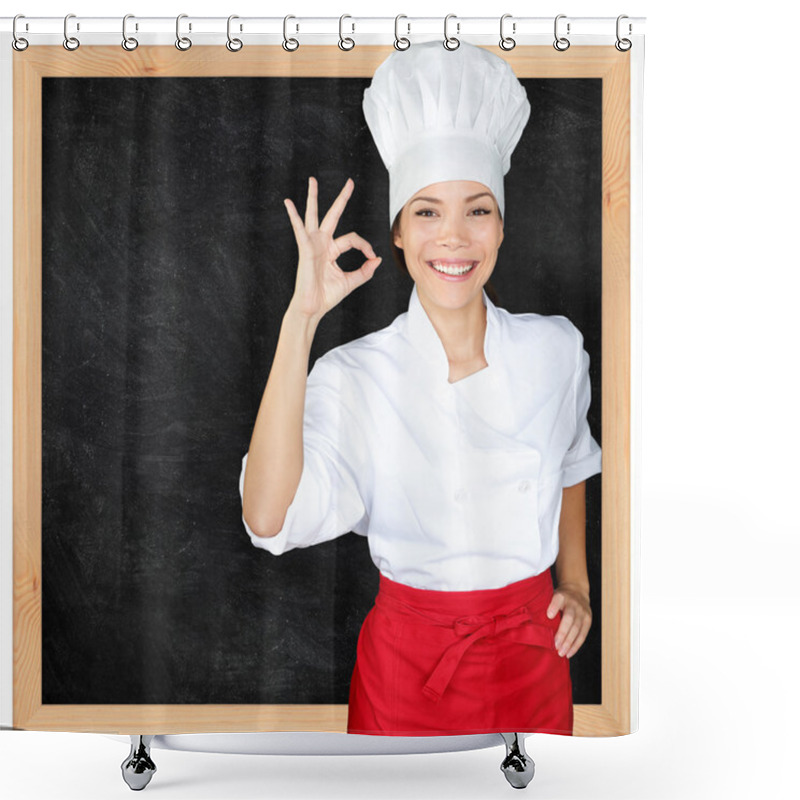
x=519, y=625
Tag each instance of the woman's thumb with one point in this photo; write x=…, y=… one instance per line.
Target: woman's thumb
x=555, y=605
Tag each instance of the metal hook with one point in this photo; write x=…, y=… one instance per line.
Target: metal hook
x=70, y=42
x=128, y=42
x=623, y=45
x=17, y=42
x=346, y=43
x=451, y=42
x=181, y=42
x=506, y=42
x=401, y=43
x=561, y=43
x=289, y=44
x=234, y=45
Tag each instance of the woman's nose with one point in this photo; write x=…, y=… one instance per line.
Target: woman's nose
x=452, y=233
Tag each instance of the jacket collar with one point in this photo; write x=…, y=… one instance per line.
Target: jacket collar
x=423, y=337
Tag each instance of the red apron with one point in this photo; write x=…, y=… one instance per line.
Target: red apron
x=433, y=663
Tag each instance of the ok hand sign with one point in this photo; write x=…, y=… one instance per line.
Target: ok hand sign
x=321, y=283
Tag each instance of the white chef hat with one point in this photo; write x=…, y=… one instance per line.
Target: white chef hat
x=442, y=115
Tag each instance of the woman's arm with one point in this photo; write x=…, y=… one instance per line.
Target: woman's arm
x=571, y=596
x=275, y=456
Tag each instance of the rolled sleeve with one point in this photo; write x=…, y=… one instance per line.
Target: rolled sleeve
x=583, y=458
x=327, y=502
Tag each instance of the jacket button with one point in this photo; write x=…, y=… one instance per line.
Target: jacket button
x=524, y=486
x=460, y=495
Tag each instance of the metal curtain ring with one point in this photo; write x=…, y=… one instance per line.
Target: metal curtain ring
x=561, y=43
x=506, y=42
x=450, y=42
x=234, y=45
x=181, y=42
x=128, y=42
x=17, y=42
x=623, y=45
x=70, y=42
x=401, y=43
x=289, y=44
x=346, y=43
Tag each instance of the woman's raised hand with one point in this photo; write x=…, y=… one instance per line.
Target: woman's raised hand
x=321, y=283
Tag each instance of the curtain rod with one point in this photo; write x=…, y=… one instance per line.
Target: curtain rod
x=347, y=31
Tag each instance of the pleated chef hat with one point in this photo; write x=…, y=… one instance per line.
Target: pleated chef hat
x=442, y=115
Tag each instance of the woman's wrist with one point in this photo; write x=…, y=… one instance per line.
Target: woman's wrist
x=299, y=324
x=579, y=586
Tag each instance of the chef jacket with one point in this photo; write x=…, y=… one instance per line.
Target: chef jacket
x=457, y=486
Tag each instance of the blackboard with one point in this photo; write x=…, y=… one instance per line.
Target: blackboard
x=167, y=263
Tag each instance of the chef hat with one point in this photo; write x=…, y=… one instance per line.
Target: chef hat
x=442, y=115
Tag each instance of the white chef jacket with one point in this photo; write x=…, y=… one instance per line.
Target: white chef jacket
x=457, y=486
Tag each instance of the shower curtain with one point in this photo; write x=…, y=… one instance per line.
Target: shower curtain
x=149, y=201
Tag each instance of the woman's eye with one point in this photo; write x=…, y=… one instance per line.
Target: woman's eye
x=481, y=211
x=425, y=212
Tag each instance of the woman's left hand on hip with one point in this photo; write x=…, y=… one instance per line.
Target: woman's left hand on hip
x=576, y=618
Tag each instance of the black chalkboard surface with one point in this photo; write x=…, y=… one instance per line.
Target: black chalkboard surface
x=168, y=261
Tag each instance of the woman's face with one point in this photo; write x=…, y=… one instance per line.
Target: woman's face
x=450, y=233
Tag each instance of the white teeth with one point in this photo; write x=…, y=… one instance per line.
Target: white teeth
x=447, y=269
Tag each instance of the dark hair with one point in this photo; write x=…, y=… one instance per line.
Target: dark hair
x=400, y=259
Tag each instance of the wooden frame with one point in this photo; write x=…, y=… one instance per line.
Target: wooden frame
x=613, y=716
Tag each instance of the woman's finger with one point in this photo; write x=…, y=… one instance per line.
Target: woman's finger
x=331, y=219
x=358, y=277
x=556, y=604
x=569, y=638
x=350, y=240
x=564, y=629
x=573, y=630
x=312, y=217
x=294, y=218
x=581, y=632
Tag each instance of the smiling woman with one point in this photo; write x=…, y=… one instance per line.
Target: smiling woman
x=455, y=439
x=453, y=230
x=449, y=234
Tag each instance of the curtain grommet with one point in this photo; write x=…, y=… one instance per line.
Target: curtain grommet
x=234, y=45
x=622, y=44
x=401, y=42
x=506, y=42
x=18, y=42
x=451, y=42
x=289, y=44
x=129, y=43
x=183, y=43
x=345, y=42
x=561, y=43
x=70, y=42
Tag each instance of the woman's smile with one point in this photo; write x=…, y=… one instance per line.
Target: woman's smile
x=451, y=269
